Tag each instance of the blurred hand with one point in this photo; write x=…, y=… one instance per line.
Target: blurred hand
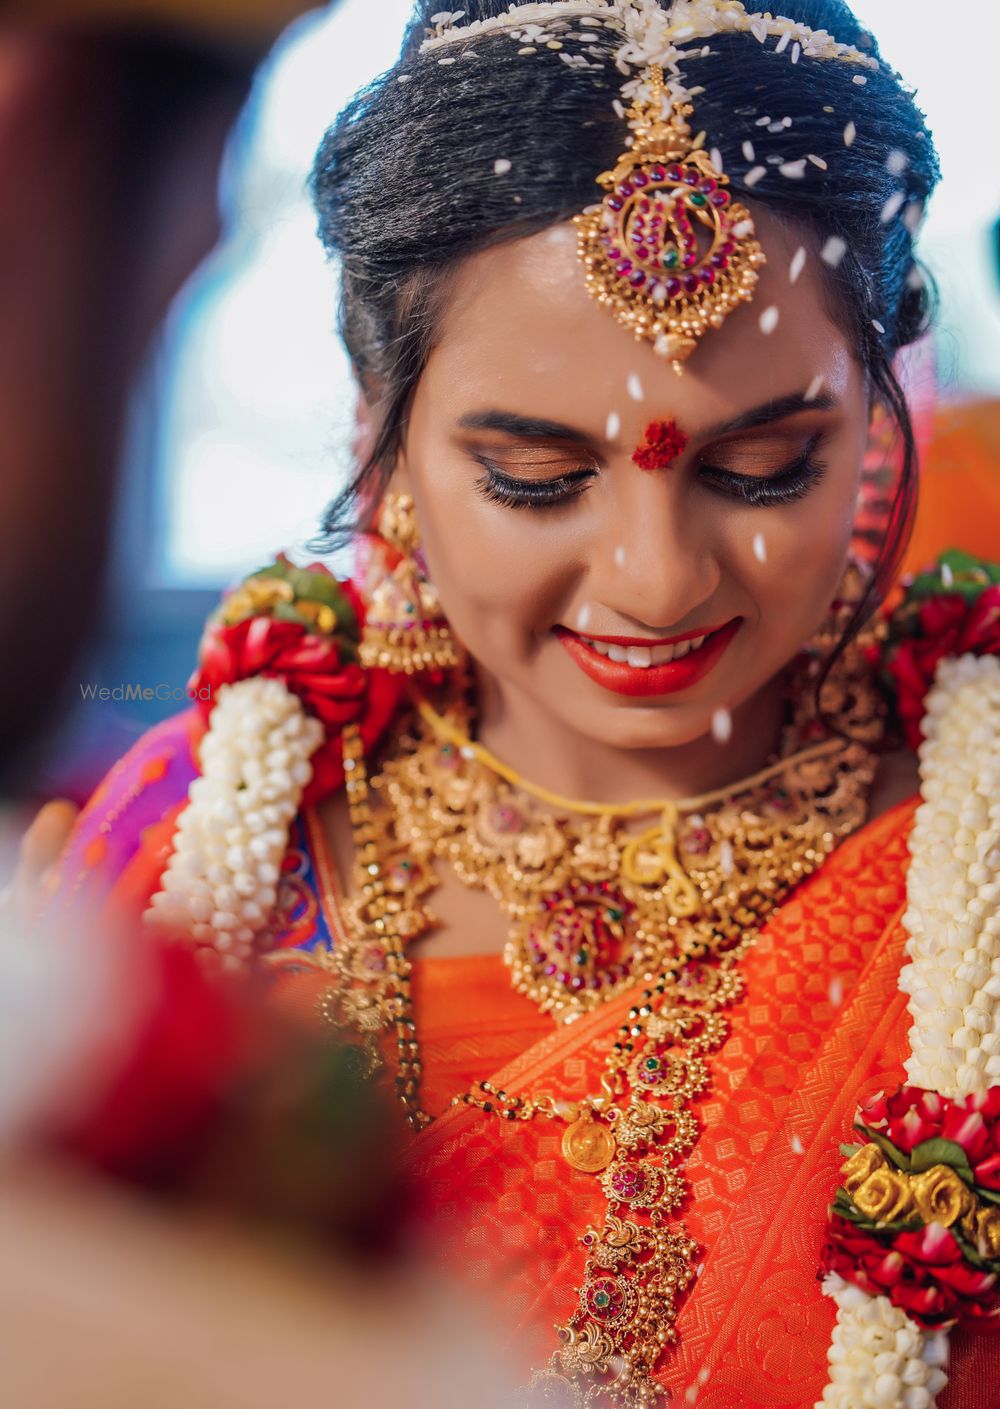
x=39, y=849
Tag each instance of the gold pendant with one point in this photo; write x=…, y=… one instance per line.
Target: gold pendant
x=588, y=1145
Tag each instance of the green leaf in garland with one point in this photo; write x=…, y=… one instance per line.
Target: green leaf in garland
x=971, y=1254
x=893, y=1155
x=939, y=1151
x=848, y=1150
x=845, y=1206
x=968, y=577
x=990, y=1196
x=279, y=568
x=315, y=585
x=285, y=611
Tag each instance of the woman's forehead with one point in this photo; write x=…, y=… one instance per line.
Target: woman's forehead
x=518, y=325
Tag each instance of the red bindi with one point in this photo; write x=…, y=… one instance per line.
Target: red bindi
x=664, y=441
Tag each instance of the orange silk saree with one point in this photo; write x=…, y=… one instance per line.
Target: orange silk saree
x=821, y=1025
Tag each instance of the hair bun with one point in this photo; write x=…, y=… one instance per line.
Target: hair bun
x=917, y=305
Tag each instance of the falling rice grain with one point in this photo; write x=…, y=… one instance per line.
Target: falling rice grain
x=947, y=576
x=850, y=132
x=879, y=327
x=613, y=426
x=501, y=166
x=619, y=556
x=912, y=216
x=727, y=864
x=722, y=725
x=769, y=319
x=794, y=170
x=833, y=251
x=836, y=991
x=893, y=206
x=749, y=152
x=797, y=1147
x=754, y=175
x=797, y=265
x=813, y=389
x=635, y=390
x=817, y=161
x=859, y=79
x=759, y=548
x=583, y=617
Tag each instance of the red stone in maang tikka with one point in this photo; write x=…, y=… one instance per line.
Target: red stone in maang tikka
x=662, y=442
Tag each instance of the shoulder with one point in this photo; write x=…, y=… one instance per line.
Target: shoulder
x=147, y=784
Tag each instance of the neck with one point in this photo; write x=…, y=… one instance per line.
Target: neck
x=546, y=752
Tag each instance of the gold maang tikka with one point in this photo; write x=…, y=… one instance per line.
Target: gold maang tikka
x=668, y=251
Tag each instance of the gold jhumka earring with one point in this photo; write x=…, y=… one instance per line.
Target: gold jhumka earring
x=405, y=629
x=668, y=251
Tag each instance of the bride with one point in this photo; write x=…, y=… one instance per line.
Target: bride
x=635, y=838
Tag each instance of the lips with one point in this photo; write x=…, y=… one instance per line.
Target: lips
x=594, y=656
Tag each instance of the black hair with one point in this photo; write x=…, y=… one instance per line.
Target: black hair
x=405, y=185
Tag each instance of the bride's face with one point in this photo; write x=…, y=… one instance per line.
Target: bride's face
x=543, y=534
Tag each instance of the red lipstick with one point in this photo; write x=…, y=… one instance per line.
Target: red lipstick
x=638, y=681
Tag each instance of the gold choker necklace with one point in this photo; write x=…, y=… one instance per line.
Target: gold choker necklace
x=596, y=906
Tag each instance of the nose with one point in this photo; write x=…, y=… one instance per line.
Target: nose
x=658, y=565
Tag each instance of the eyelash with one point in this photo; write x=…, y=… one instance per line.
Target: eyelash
x=789, y=484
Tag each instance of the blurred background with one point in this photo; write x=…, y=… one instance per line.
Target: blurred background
x=240, y=410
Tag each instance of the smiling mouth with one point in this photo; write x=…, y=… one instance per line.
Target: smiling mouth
x=628, y=667
x=644, y=657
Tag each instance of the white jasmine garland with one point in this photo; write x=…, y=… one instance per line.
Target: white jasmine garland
x=953, y=887
x=220, y=885
x=879, y=1358
x=953, y=981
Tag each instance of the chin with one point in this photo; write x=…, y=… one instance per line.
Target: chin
x=640, y=724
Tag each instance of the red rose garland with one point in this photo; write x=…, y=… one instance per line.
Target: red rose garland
x=274, y=626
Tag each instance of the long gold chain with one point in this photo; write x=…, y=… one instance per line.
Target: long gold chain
x=634, y=1133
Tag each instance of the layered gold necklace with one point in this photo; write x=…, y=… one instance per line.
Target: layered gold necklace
x=596, y=908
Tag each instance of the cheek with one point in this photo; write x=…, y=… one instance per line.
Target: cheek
x=501, y=574
x=791, y=563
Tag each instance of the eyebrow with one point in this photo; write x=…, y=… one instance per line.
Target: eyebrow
x=535, y=428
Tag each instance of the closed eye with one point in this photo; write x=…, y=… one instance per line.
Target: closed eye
x=786, y=485
x=515, y=493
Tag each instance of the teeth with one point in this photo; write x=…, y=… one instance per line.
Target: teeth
x=642, y=657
